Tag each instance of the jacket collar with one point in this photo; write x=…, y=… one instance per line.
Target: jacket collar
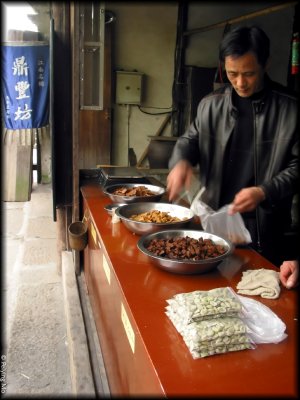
x=258, y=103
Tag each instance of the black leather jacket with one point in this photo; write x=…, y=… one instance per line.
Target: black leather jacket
x=276, y=137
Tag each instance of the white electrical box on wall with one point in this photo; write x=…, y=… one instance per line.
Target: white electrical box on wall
x=129, y=87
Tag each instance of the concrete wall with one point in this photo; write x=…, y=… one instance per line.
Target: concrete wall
x=144, y=40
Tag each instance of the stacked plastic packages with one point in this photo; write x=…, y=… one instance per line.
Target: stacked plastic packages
x=209, y=321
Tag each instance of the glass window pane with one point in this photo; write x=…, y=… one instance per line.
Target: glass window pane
x=91, y=76
x=92, y=24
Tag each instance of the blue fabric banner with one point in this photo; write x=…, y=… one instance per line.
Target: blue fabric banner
x=25, y=86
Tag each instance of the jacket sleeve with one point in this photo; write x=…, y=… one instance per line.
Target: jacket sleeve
x=278, y=160
x=285, y=183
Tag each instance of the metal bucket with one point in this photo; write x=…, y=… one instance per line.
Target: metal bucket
x=78, y=235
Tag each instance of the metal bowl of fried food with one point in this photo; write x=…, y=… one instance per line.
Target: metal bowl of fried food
x=134, y=192
x=185, y=251
x=144, y=218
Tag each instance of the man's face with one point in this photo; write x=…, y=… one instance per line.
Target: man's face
x=245, y=74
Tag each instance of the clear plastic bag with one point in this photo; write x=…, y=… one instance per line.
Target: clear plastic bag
x=209, y=321
x=264, y=326
x=221, y=349
x=201, y=305
x=230, y=227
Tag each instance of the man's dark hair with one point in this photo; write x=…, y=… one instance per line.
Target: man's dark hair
x=242, y=39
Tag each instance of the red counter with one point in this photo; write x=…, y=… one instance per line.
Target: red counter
x=143, y=352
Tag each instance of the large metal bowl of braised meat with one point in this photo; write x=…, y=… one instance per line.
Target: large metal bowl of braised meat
x=134, y=192
x=185, y=251
x=144, y=218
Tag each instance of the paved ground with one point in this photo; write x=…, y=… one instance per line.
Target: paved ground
x=45, y=347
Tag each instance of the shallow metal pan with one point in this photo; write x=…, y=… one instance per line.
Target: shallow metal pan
x=158, y=190
x=141, y=228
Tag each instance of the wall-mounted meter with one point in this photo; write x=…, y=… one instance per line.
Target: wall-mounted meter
x=129, y=87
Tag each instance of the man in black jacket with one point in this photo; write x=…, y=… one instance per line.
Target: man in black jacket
x=245, y=140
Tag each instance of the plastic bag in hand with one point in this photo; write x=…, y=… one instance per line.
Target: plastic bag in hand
x=230, y=227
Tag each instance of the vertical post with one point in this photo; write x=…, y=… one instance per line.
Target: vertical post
x=75, y=39
x=61, y=236
x=178, y=83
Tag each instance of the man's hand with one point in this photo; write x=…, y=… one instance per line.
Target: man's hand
x=179, y=177
x=289, y=273
x=247, y=200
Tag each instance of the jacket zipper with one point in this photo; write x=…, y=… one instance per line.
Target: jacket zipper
x=255, y=177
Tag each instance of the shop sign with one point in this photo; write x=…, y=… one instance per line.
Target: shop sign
x=25, y=85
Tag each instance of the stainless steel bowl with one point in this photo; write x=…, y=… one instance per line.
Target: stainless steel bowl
x=158, y=190
x=186, y=267
x=142, y=228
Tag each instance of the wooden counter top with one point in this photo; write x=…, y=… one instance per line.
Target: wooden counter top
x=143, y=352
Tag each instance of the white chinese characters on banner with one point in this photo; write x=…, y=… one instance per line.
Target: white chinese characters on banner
x=41, y=70
x=25, y=79
x=21, y=88
x=23, y=114
x=20, y=68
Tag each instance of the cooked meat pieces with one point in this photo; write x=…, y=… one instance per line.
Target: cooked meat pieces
x=141, y=191
x=185, y=248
